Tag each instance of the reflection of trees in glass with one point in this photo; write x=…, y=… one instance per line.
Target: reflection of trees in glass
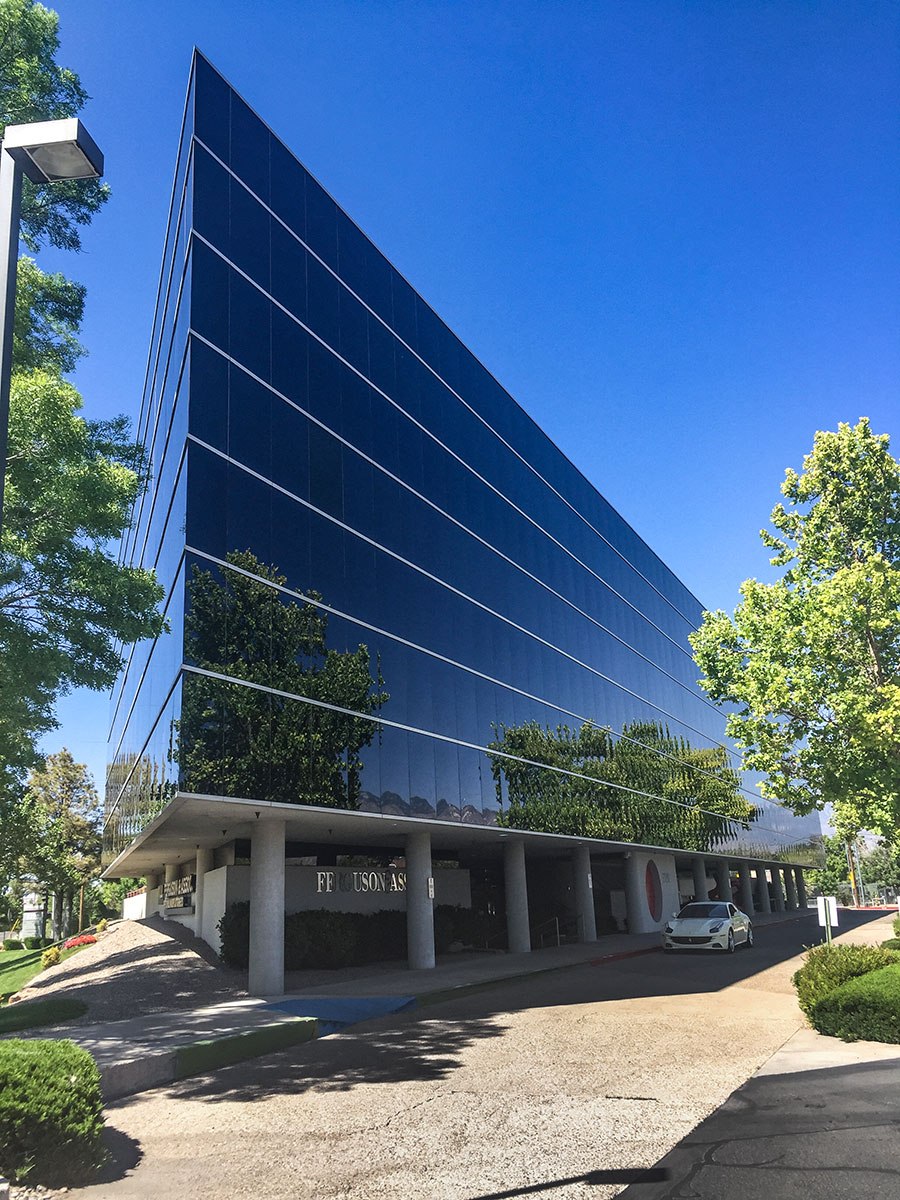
x=235, y=740
x=542, y=794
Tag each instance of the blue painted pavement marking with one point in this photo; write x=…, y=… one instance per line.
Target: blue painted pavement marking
x=337, y=1012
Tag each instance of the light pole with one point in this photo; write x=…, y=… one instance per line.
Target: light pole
x=45, y=151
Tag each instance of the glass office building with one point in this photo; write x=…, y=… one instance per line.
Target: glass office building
x=388, y=592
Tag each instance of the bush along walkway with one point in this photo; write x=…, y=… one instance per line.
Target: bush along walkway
x=852, y=991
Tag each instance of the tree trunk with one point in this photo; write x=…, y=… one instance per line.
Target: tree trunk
x=56, y=917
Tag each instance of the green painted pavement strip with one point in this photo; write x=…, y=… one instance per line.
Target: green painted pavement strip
x=200, y=1057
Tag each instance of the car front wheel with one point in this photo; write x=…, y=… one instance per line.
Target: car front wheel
x=749, y=937
x=730, y=941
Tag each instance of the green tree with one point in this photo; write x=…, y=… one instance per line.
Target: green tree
x=238, y=740
x=811, y=663
x=33, y=87
x=62, y=797
x=834, y=878
x=645, y=786
x=66, y=606
x=881, y=865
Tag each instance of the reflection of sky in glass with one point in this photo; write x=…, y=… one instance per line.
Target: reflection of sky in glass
x=328, y=423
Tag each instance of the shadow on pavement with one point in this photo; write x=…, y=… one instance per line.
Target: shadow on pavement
x=426, y=1044
x=828, y=1134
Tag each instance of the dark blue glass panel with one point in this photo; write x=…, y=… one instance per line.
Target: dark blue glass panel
x=212, y=108
x=209, y=294
x=321, y=223
x=208, y=374
x=212, y=191
x=288, y=187
x=249, y=326
x=249, y=148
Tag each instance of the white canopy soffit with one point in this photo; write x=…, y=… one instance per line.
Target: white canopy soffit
x=193, y=820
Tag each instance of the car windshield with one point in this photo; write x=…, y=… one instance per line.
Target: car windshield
x=693, y=911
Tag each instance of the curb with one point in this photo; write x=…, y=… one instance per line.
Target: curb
x=196, y=1058
x=128, y=1077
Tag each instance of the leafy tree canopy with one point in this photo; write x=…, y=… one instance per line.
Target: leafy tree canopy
x=65, y=802
x=237, y=740
x=33, y=87
x=64, y=599
x=645, y=786
x=65, y=604
x=811, y=663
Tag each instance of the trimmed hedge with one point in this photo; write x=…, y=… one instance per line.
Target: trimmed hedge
x=321, y=938
x=897, y=926
x=891, y=944
x=51, y=1113
x=50, y=957
x=827, y=967
x=866, y=1008
x=13, y=944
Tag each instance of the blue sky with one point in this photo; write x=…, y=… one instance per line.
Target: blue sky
x=669, y=229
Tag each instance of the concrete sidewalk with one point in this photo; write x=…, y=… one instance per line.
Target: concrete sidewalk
x=149, y=1051
x=818, y=1119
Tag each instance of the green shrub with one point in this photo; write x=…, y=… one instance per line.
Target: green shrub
x=234, y=929
x=296, y=942
x=897, y=926
x=333, y=937
x=50, y=957
x=321, y=938
x=381, y=936
x=102, y=925
x=866, y=1008
x=51, y=1113
x=13, y=944
x=32, y=1014
x=33, y=943
x=827, y=967
x=891, y=944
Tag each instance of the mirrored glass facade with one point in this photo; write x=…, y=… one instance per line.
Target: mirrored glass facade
x=387, y=590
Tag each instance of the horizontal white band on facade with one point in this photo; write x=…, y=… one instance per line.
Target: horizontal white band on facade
x=155, y=350
x=133, y=648
x=444, y=383
x=440, y=582
x=434, y=438
x=465, y=529
x=443, y=737
x=395, y=637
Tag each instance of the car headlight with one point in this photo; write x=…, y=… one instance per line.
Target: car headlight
x=715, y=928
x=669, y=929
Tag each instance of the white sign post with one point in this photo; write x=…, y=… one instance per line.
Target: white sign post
x=827, y=906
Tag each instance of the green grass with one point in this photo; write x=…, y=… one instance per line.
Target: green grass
x=18, y=967
x=34, y=1013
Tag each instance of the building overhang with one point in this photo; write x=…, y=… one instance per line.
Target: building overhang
x=191, y=822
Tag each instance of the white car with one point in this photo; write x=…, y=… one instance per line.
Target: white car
x=708, y=925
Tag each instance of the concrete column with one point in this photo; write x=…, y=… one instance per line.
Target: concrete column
x=267, y=909
x=746, y=889
x=801, y=887
x=419, y=901
x=518, y=930
x=584, y=894
x=204, y=864
x=791, y=888
x=698, y=866
x=763, y=902
x=171, y=872
x=777, y=889
x=151, y=882
x=723, y=879
x=635, y=900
